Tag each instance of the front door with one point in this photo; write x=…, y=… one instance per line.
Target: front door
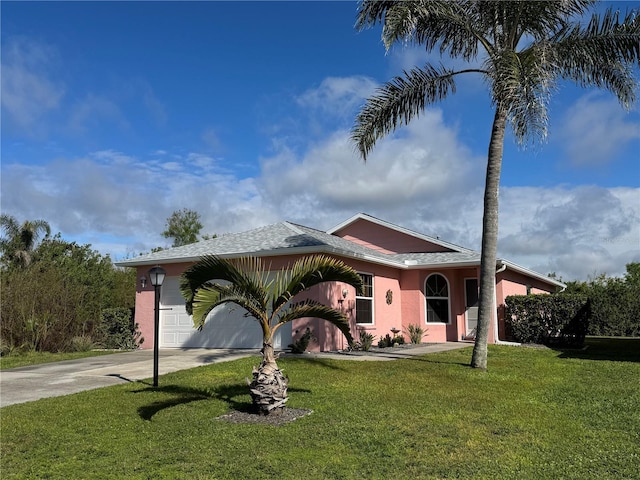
x=471, y=305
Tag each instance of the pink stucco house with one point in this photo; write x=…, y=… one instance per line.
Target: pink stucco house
x=410, y=278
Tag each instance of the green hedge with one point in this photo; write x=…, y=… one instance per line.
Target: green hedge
x=559, y=320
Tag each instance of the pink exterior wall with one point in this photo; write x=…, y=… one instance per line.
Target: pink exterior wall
x=145, y=298
x=510, y=282
x=386, y=315
x=328, y=337
x=386, y=240
x=407, y=306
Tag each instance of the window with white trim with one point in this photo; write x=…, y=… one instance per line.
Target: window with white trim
x=364, y=302
x=437, y=298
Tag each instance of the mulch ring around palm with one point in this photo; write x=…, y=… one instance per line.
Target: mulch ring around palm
x=284, y=416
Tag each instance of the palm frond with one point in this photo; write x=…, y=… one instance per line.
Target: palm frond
x=238, y=273
x=312, y=309
x=433, y=23
x=398, y=102
x=522, y=83
x=209, y=296
x=601, y=54
x=310, y=271
x=536, y=19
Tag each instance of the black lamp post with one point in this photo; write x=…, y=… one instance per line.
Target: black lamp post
x=156, y=275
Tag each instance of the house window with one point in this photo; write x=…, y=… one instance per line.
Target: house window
x=437, y=297
x=364, y=302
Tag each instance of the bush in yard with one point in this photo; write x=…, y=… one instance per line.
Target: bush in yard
x=416, y=333
x=81, y=343
x=118, y=331
x=548, y=319
x=389, y=341
x=301, y=345
x=365, y=341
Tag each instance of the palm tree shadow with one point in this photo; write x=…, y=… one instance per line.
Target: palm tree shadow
x=180, y=396
x=440, y=362
x=235, y=395
x=321, y=362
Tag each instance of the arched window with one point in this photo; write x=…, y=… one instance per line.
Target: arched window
x=437, y=295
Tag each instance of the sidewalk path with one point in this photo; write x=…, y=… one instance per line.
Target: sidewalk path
x=26, y=384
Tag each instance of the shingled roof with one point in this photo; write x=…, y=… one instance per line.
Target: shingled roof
x=288, y=238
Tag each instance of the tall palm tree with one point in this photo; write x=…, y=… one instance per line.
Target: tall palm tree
x=267, y=297
x=520, y=49
x=19, y=241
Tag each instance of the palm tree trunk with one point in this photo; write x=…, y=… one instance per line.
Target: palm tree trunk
x=489, y=239
x=269, y=386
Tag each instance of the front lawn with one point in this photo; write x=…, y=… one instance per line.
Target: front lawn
x=535, y=414
x=33, y=358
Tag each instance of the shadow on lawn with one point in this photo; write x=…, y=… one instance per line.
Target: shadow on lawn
x=235, y=395
x=617, y=349
x=319, y=362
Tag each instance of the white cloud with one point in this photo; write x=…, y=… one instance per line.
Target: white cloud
x=573, y=231
x=110, y=194
x=92, y=112
x=154, y=106
x=211, y=139
x=595, y=129
x=420, y=166
x=338, y=95
x=423, y=177
x=29, y=91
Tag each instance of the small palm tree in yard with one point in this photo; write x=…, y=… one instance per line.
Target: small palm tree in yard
x=266, y=296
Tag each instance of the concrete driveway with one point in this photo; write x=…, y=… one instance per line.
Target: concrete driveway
x=25, y=384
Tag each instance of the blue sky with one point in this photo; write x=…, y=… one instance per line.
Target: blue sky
x=115, y=114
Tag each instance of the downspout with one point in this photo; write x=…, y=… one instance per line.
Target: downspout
x=497, y=340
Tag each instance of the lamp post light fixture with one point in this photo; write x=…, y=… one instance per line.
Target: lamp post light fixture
x=156, y=275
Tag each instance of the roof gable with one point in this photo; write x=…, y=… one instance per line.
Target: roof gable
x=388, y=238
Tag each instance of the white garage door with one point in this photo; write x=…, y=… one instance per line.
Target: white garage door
x=226, y=326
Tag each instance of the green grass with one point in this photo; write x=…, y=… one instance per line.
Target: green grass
x=535, y=414
x=33, y=358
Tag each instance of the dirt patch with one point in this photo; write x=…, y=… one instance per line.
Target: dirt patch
x=284, y=416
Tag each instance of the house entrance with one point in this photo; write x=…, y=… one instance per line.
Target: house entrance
x=471, y=306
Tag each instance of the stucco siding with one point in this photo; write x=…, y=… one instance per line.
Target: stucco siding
x=386, y=240
x=145, y=298
x=514, y=283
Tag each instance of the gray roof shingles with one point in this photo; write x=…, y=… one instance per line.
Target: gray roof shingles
x=276, y=238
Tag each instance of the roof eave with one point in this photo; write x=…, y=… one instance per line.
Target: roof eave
x=408, y=264
x=531, y=273
x=288, y=251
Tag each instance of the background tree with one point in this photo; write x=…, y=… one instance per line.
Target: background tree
x=524, y=48
x=19, y=241
x=614, y=302
x=249, y=283
x=60, y=295
x=183, y=226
